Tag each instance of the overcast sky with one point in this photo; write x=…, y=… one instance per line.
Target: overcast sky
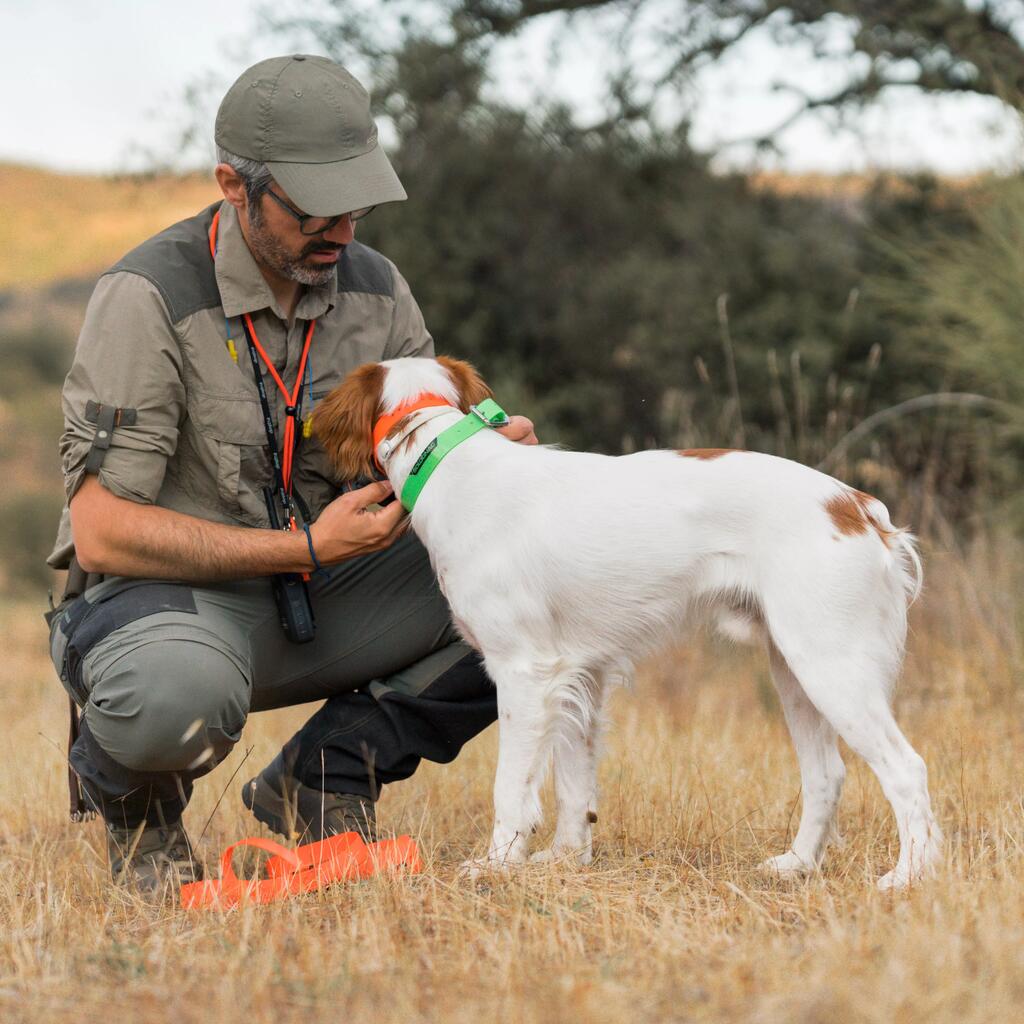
x=90, y=84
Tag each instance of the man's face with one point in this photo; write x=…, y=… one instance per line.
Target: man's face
x=277, y=242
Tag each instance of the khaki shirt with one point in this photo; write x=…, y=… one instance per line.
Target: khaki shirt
x=154, y=342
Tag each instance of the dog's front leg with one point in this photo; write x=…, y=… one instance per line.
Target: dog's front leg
x=521, y=760
x=575, y=755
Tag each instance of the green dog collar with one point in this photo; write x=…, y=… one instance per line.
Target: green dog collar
x=487, y=414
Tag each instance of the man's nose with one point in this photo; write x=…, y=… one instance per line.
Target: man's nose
x=342, y=233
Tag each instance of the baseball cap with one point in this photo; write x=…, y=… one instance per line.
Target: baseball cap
x=309, y=121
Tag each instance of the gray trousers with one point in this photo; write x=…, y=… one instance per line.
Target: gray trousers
x=166, y=675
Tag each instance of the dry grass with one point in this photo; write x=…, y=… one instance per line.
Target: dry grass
x=670, y=923
x=73, y=225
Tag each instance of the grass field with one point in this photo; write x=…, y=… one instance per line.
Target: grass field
x=671, y=923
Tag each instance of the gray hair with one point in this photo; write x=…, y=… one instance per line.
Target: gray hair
x=256, y=175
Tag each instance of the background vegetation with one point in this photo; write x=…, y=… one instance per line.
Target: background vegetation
x=606, y=280
x=614, y=286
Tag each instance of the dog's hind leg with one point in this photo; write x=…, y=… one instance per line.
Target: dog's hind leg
x=851, y=691
x=821, y=774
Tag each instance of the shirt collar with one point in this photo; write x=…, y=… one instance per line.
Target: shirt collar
x=243, y=289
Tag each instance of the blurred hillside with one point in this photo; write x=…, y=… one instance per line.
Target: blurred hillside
x=58, y=232
x=55, y=226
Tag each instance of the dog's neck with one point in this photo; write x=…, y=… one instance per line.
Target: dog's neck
x=424, y=426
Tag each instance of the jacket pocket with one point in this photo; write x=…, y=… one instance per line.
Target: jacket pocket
x=229, y=445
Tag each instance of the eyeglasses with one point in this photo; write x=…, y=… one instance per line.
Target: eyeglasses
x=310, y=225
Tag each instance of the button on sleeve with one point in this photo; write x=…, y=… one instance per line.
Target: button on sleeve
x=124, y=398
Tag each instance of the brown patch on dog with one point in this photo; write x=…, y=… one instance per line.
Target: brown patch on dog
x=847, y=514
x=706, y=453
x=397, y=429
x=399, y=426
x=468, y=383
x=344, y=421
x=592, y=817
x=851, y=514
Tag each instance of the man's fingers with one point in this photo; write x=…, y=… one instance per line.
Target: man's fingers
x=388, y=532
x=519, y=429
x=372, y=494
x=386, y=520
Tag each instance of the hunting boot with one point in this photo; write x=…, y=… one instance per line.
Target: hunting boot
x=299, y=812
x=151, y=858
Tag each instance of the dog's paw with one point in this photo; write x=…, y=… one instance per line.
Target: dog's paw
x=912, y=872
x=566, y=856
x=894, y=881
x=786, y=865
x=480, y=867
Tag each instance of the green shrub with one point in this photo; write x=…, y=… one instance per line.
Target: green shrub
x=30, y=524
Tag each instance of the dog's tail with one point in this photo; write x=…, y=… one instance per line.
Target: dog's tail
x=913, y=571
x=899, y=541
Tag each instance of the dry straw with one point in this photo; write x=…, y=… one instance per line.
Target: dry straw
x=671, y=923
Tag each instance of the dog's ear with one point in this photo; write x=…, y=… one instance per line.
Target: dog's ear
x=471, y=389
x=344, y=421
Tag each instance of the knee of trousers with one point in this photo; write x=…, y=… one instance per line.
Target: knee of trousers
x=168, y=704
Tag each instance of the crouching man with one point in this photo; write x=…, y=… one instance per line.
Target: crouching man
x=188, y=414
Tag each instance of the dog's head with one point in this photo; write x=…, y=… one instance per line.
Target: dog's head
x=345, y=419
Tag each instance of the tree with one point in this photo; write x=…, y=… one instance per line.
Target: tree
x=936, y=46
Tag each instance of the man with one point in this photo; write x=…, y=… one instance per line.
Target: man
x=187, y=426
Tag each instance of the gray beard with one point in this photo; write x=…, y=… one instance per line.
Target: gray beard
x=268, y=250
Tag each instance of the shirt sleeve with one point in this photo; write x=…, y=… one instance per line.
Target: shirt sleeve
x=127, y=359
x=409, y=335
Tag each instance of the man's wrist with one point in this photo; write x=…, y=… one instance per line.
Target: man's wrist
x=317, y=567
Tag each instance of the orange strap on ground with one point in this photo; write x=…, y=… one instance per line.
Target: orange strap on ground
x=343, y=858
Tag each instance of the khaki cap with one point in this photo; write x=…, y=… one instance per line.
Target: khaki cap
x=309, y=121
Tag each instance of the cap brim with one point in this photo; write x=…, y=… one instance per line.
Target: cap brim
x=324, y=190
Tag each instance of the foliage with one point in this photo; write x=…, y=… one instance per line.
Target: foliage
x=610, y=285
x=963, y=288
x=30, y=522
x=32, y=356
x=937, y=46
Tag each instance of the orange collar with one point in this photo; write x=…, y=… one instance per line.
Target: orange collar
x=385, y=423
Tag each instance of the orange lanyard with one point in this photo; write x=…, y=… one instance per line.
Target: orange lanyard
x=291, y=398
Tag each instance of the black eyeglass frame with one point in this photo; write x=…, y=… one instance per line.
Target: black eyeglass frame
x=303, y=218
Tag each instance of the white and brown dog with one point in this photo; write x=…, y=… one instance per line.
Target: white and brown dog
x=565, y=569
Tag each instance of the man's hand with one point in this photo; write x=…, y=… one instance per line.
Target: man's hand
x=348, y=527
x=519, y=429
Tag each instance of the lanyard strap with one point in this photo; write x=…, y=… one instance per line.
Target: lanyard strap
x=282, y=488
x=282, y=459
x=293, y=400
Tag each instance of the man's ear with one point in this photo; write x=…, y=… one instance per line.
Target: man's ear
x=471, y=389
x=232, y=185
x=344, y=420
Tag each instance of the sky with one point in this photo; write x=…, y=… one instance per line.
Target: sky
x=96, y=85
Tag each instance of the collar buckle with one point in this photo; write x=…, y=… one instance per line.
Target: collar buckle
x=490, y=414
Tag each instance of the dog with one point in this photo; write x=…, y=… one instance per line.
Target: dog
x=565, y=569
